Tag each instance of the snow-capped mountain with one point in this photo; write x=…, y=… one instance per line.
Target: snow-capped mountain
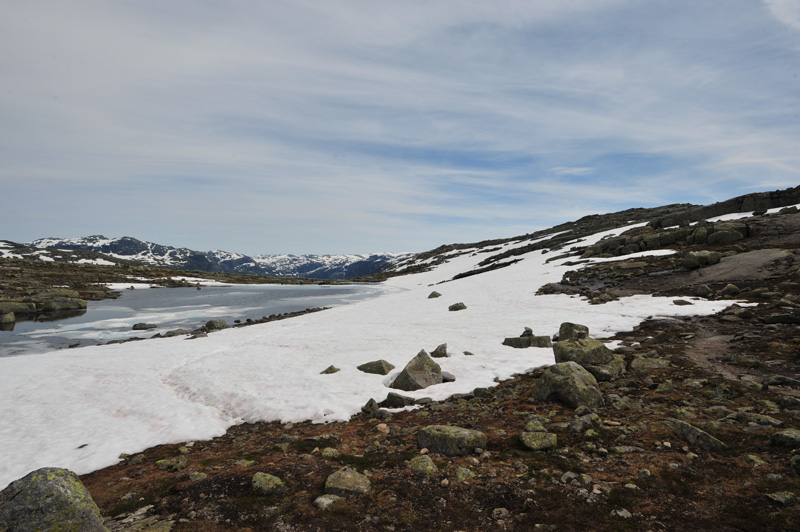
x=310, y=266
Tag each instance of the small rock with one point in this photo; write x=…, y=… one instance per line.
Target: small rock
x=329, y=370
x=456, y=307
x=347, y=481
x=440, y=351
x=267, y=484
x=788, y=438
x=783, y=498
x=323, y=502
x=538, y=441
x=423, y=464
x=173, y=464
x=376, y=367
x=434, y=295
x=450, y=440
x=463, y=474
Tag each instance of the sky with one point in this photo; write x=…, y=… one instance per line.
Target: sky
x=356, y=126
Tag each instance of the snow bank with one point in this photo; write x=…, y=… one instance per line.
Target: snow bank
x=81, y=408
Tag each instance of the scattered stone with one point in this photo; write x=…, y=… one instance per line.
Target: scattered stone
x=173, y=464
x=323, y=502
x=329, y=370
x=695, y=436
x=330, y=453
x=760, y=419
x=376, y=367
x=440, y=351
x=215, y=325
x=371, y=410
x=584, y=351
x=463, y=474
x=640, y=363
x=783, y=498
x=457, y=306
x=704, y=291
x=788, y=438
x=624, y=514
x=347, y=481
x=419, y=373
x=267, y=484
x=538, y=441
x=423, y=464
x=682, y=302
x=49, y=499
x=196, y=476
x=569, y=383
x=450, y=440
x=434, y=295
x=572, y=331
x=144, y=326
x=395, y=400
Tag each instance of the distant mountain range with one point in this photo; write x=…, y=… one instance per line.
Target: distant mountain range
x=309, y=266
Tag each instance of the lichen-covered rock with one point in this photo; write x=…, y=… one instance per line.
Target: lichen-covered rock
x=569, y=383
x=584, y=351
x=49, y=499
x=787, y=438
x=783, y=498
x=173, y=464
x=538, y=441
x=17, y=307
x=450, y=440
x=377, y=367
x=323, y=502
x=419, y=373
x=572, y=331
x=463, y=474
x=423, y=465
x=440, y=351
x=697, y=437
x=347, y=481
x=267, y=484
x=8, y=318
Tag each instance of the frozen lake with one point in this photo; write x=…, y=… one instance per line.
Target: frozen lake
x=172, y=308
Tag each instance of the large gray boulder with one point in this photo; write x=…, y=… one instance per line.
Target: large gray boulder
x=419, y=373
x=570, y=384
x=449, y=440
x=49, y=499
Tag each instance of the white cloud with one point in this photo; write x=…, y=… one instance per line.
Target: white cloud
x=787, y=12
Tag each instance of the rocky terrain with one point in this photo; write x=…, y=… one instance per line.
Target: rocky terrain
x=690, y=424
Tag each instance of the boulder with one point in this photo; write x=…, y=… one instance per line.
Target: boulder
x=266, y=484
x=330, y=370
x=787, y=438
x=440, y=351
x=395, y=400
x=570, y=384
x=522, y=342
x=538, y=441
x=584, y=351
x=434, y=295
x=724, y=237
x=52, y=304
x=144, y=326
x=8, y=317
x=423, y=464
x=697, y=437
x=457, y=306
x=17, y=307
x=215, y=325
x=419, y=373
x=572, y=331
x=610, y=371
x=377, y=367
x=449, y=440
x=347, y=481
x=49, y=499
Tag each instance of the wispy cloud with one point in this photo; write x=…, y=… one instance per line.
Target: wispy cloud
x=352, y=125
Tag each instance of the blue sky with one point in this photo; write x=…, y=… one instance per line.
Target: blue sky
x=354, y=126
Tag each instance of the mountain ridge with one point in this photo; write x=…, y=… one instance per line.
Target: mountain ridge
x=327, y=267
